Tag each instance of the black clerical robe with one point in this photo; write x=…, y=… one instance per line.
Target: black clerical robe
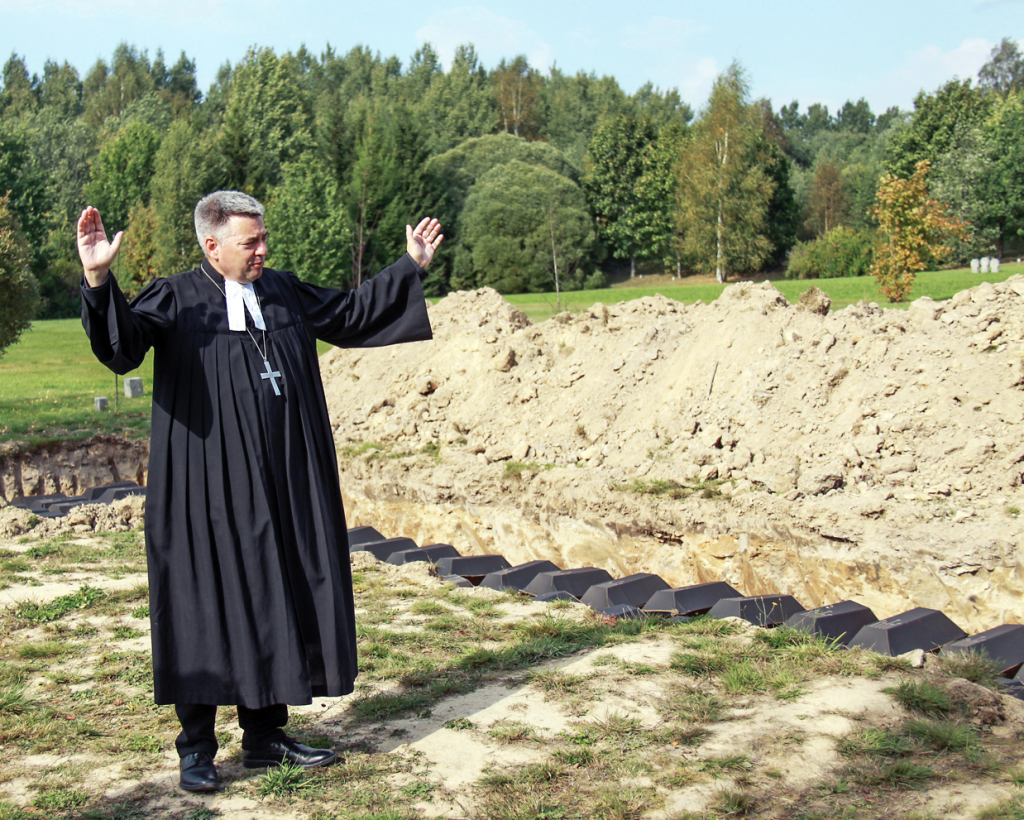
x=249, y=578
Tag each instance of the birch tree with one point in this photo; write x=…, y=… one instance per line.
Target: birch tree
x=724, y=189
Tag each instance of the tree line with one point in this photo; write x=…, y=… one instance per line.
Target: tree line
x=541, y=179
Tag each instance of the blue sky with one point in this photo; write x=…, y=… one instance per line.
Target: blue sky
x=821, y=51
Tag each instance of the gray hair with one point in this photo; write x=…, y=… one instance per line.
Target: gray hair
x=214, y=210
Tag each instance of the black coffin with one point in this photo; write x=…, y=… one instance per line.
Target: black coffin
x=633, y=590
x=692, y=600
x=382, y=550
x=920, y=628
x=432, y=553
x=517, y=577
x=362, y=535
x=472, y=567
x=574, y=581
x=760, y=610
x=835, y=622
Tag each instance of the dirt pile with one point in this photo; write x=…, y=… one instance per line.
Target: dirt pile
x=870, y=453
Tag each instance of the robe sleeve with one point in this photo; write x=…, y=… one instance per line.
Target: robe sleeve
x=122, y=333
x=388, y=309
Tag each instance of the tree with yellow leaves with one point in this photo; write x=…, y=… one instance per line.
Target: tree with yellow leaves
x=911, y=230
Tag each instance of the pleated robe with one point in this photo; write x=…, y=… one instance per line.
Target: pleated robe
x=249, y=578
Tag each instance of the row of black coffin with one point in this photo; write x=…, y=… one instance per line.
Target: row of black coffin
x=847, y=622
x=57, y=505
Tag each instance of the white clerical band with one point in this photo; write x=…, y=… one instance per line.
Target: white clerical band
x=237, y=295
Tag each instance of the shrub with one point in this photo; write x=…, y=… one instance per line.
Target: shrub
x=840, y=252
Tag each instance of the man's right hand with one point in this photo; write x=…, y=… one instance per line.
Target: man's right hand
x=94, y=250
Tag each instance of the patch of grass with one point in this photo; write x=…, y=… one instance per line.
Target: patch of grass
x=975, y=666
x=899, y=774
x=941, y=735
x=700, y=664
x=557, y=682
x=283, y=781
x=428, y=607
x=924, y=697
x=513, y=731
x=43, y=649
x=13, y=700
x=875, y=742
x=515, y=468
x=60, y=799
x=141, y=612
x=1011, y=808
x=124, y=633
x=575, y=756
x=460, y=724
x=59, y=607
x=732, y=803
x=692, y=705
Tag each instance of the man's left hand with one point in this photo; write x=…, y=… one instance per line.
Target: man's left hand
x=422, y=241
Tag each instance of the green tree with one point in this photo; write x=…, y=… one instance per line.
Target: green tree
x=182, y=175
x=266, y=122
x=615, y=165
x=61, y=89
x=109, y=90
x=911, y=230
x=938, y=118
x=1004, y=71
x=458, y=105
x=517, y=93
x=521, y=222
x=21, y=92
x=573, y=105
x=828, y=202
x=724, y=188
x=123, y=171
x=308, y=223
x=1005, y=182
x=18, y=291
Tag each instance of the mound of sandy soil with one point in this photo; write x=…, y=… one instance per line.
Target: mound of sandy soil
x=870, y=453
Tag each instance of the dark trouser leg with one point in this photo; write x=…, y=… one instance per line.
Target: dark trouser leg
x=262, y=726
x=197, y=729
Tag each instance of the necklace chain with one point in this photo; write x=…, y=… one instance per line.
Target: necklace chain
x=224, y=293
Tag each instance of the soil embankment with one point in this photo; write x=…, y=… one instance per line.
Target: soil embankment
x=866, y=453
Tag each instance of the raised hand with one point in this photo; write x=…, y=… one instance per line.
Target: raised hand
x=94, y=250
x=422, y=241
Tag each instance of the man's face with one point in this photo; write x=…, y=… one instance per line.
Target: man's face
x=241, y=254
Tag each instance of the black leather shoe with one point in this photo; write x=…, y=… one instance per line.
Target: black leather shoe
x=276, y=753
x=198, y=773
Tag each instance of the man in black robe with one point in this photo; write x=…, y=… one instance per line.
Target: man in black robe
x=250, y=585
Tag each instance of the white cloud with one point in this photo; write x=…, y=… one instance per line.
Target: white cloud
x=660, y=33
x=930, y=67
x=493, y=36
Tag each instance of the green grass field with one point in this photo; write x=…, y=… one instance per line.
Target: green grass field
x=47, y=384
x=49, y=379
